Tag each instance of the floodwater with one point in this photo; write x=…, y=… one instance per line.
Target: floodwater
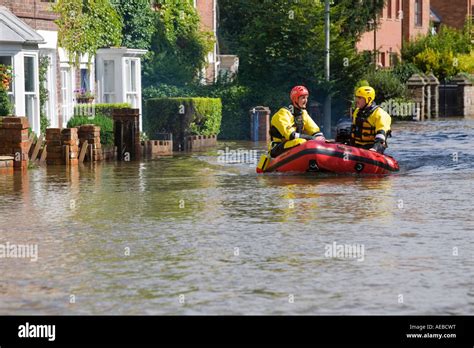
x=192, y=235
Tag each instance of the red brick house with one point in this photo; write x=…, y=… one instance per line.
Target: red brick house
x=400, y=20
x=453, y=13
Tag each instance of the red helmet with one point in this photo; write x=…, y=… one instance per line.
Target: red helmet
x=297, y=92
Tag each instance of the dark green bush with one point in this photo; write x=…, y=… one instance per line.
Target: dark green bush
x=403, y=71
x=386, y=84
x=105, y=123
x=183, y=116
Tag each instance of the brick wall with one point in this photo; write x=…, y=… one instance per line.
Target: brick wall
x=36, y=13
x=14, y=140
x=205, y=8
x=453, y=12
x=388, y=36
x=410, y=29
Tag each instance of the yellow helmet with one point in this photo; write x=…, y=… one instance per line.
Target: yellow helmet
x=366, y=92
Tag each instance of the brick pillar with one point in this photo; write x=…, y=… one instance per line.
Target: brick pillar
x=53, y=146
x=127, y=133
x=14, y=140
x=70, y=141
x=416, y=87
x=91, y=133
x=427, y=97
x=434, y=86
x=260, y=124
x=465, y=95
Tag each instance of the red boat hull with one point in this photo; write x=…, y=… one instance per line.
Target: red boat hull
x=318, y=156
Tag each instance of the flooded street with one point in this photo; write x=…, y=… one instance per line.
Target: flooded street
x=191, y=235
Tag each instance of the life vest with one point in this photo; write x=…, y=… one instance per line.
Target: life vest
x=369, y=123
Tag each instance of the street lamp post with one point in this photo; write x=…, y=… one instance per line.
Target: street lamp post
x=327, y=102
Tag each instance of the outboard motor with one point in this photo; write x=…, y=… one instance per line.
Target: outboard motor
x=343, y=131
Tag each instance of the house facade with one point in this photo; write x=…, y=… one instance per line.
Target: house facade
x=400, y=20
x=29, y=36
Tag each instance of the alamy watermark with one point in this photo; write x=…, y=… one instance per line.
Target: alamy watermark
x=345, y=251
x=237, y=156
x=20, y=251
x=402, y=109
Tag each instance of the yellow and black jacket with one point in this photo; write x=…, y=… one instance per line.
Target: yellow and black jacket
x=287, y=127
x=369, y=124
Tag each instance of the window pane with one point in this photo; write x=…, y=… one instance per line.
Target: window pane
x=109, y=76
x=29, y=74
x=133, y=75
x=85, y=79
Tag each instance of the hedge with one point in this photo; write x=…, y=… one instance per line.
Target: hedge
x=106, y=126
x=183, y=116
x=100, y=109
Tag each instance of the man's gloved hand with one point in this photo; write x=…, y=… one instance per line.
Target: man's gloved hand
x=319, y=136
x=306, y=137
x=378, y=146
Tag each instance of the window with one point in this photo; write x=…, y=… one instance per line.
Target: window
x=389, y=8
x=397, y=9
x=109, y=81
x=30, y=92
x=131, y=70
x=419, y=13
x=382, y=59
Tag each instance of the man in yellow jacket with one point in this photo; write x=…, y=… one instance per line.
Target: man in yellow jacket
x=293, y=126
x=370, y=123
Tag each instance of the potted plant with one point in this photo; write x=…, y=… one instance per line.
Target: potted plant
x=83, y=96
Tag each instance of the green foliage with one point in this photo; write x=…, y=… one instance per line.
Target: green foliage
x=99, y=109
x=163, y=90
x=138, y=22
x=437, y=53
x=403, y=71
x=441, y=63
x=387, y=85
x=466, y=63
x=236, y=101
x=105, y=123
x=179, y=46
x=85, y=26
x=5, y=105
x=183, y=116
x=281, y=43
x=43, y=92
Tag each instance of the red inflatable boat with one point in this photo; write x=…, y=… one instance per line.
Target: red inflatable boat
x=318, y=156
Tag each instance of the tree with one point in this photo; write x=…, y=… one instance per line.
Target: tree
x=280, y=43
x=179, y=46
x=85, y=26
x=138, y=22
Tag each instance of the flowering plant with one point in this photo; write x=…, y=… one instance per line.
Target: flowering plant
x=83, y=94
x=6, y=76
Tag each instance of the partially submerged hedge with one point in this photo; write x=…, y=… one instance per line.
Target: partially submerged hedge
x=105, y=123
x=183, y=116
